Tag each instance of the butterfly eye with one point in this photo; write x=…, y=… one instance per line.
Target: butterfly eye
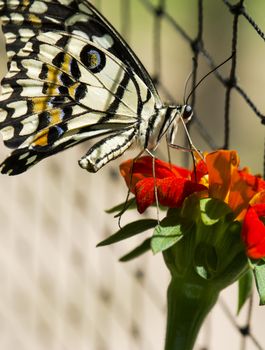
x=93, y=59
x=187, y=113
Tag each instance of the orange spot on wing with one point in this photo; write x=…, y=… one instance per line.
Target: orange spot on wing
x=66, y=63
x=41, y=139
x=52, y=90
x=40, y=104
x=55, y=116
x=53, y=75
x=25, y=3
x=72, y=90
x=35, y=20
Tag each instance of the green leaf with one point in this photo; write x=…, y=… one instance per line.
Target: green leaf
x=169, y=232
x=259, y=273
x=244, y=289
x=212, y=210
x=141, y=249
x=130, y=204
x=132, y=229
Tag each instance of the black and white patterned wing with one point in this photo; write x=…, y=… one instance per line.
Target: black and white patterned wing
x=64, y=87
x=26, y=18
x=103, y=33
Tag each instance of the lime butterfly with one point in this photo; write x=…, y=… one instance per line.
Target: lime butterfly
x=71, y=77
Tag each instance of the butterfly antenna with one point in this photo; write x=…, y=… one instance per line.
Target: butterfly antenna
x=186, y=85
x=202, y=79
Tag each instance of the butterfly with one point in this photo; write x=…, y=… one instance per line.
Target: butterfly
x=71, y=78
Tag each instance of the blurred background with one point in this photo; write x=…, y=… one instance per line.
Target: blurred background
x=58, y=291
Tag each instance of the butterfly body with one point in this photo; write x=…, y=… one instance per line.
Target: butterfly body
x=72, y=78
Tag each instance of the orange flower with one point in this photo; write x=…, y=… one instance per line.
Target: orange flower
x=217, y=177
x=229, y=184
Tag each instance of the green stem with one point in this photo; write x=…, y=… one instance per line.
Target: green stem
x=189, y=302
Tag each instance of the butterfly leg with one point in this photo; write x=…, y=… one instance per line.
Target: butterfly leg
x=155, y=184
x=125, y=207
x=192, y=148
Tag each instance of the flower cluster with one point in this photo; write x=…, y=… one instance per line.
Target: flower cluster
x=212, y=235
x=217, y=176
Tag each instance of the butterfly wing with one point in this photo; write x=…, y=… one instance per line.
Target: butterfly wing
x=62, y=89
x=103, y=33
x=71, y=78
x=24, y=19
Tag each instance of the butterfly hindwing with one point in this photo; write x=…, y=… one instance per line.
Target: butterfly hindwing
x=21, y=159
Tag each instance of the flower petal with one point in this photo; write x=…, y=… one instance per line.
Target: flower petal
x=240, y=195
x=199, y=174
x=253, y=234
x=171, y=191
x=259, y=209
x=141, y=168
x=145, y=193
x=255, y=181
x=258, y=198
x=221, y=167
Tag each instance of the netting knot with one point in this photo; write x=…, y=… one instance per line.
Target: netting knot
x=230, y=82
x=159, y=11
x=245, y=330
x=196, y=46
x=237, y=9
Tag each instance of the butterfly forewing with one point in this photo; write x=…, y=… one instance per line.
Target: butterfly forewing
x=24, y=19
x=71, y=78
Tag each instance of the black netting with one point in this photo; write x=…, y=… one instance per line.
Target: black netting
x=199, y=51
x=230, y=83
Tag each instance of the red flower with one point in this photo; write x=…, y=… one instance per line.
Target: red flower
x=253, y=231
x=173, y=183
x=217, y=177
x=256, y=182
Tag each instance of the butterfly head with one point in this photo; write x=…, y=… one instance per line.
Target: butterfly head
x=173, y=115
x=186, y=113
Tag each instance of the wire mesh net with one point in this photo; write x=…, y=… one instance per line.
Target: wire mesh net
x=57, y=290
